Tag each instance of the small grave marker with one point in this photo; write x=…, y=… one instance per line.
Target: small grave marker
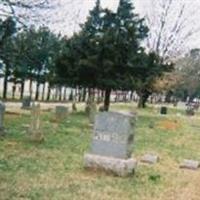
x=190, y=164
x=163, y=110
x=35, y=131
x=150, y=159
x=91, y=109
x=26, y=103
x=61, y=112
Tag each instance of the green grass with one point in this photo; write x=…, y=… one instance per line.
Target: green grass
x=54, y=169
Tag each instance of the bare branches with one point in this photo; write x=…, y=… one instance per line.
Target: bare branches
x=172, y=23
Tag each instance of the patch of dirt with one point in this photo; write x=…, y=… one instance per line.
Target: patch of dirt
x=169, y=124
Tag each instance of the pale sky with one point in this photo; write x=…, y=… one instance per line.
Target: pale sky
x=64, y=16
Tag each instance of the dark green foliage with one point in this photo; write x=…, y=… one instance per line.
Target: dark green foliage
x=106, y=54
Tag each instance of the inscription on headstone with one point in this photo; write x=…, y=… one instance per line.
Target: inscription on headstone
x=112, y=144
x=2, y=112
x=113, y=135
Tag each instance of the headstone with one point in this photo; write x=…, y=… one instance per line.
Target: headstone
x=163, y=110
x=190, y=164
x=190, y=111
x=74, y=108
x=35, y=126
x=150, y=159
x=2, y=113
x=61, y=112
x=101, y=109
x=91, y=110
x=26, y=103
x=112, y=142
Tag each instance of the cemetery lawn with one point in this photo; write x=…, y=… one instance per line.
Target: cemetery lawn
x=53, y=170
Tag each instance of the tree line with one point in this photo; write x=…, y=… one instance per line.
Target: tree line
x=105, y=55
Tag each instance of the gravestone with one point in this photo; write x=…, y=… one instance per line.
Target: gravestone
x=74, y=108
x=163, y=110
x=2, y=113
x=150, y=159
x=101, y=109
x=91, y=110
x=26, y=103
x=35, y=131
x=61, y=112
x=190, y=111
x=190, y=164
x=112, y=142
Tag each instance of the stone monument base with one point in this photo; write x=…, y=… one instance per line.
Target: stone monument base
x=120, y=167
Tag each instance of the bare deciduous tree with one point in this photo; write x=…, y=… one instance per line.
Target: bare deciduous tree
x=172, y=23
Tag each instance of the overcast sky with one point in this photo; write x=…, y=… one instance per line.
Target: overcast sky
x=65, y=16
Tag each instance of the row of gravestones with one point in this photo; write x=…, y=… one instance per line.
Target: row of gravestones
x=190, y=110
x=111, y=147
x=112, y=141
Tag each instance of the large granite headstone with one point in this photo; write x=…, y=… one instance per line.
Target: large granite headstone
x=26, y=103
x=112, y=143
x=2, y=113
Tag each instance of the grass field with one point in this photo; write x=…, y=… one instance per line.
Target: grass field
x=53, y=170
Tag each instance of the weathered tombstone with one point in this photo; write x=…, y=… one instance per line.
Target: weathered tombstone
x=150, y=159
x=61, y=112
x=91, y=109
x=35, y=131
x=190, y=164
x=112, y=142
x=2, y=113
x=101, y=109
x=74, y=108
x=26, y=103
x=190, y=110
x=163, y=110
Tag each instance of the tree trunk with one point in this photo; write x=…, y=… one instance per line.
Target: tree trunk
x=13, y=91
x=56, y=93
x=37, y=91
x=168, y=97
x=107, y=99
x=65, y=94
x=84, y=94
x=31, y=88
x=22, y=90
x=80, y=94
x=48, y=92
x=43, y=91
x=71, y=96
x=60, y=93
x=5, y=84
x=131, y=96
x=144, y=95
